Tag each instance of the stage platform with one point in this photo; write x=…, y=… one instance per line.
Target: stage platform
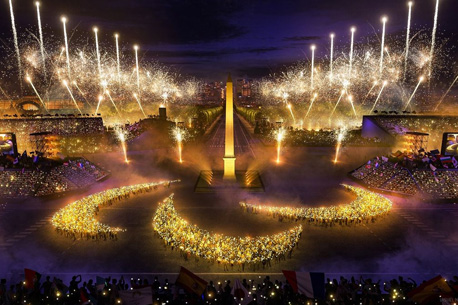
x=212, y=181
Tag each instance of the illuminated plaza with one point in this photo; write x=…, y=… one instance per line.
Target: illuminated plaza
x=154, y=168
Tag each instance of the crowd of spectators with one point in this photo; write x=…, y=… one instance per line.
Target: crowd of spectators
x=51, y=178
x=262, y=291
x=434, y=125
x=439, y=184
x=428, y=173
x=57, y=126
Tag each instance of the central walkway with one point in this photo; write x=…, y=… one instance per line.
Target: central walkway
x=242, y=139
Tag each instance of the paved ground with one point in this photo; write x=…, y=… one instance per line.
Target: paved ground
x=417, y=239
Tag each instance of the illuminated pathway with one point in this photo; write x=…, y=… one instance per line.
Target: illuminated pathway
x=243, y=140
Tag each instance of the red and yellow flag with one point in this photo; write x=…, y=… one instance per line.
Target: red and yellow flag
x=191, y=282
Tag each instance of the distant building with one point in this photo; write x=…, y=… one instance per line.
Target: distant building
x=212, y=93
x=32, y=104
x=393, y=128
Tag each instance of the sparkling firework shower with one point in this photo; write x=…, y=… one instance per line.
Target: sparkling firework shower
x=35, y=90
x=40, y=32
x=382, y=48
x=291, y=111
x=65, y=82
x=313, y=65
x=118, y=64
x=340, y=137
x=413, y=93
x=88, y=72
x=337, y=103
x=107, y=92
x=16, y=45
x=352, y=40
x=409, y=17
x=67, y=56
x=331, y=55
x=122, y=139
x=385, y=78
x=311, y=104
x=379, y=95
x=433, y=41
x=178, y=133
x=99, y=65
x=136, y=67
x=279, y=135
x=139, y=104
x=446, y=92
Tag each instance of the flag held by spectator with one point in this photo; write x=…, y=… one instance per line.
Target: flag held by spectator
x=240, y=292
x=99, y=283
x=191, y=282
x=309, y=283
x=430, y=290
x=142, y=296
x=31, y=277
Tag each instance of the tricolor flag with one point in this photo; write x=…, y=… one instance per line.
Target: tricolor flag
x=191, y=282
x=309, y=283
x=143, y=296
x=31, y=277
x=240, y=292
x=455, y=163
x=99, y=283
x=430, y=290
x=58, y=285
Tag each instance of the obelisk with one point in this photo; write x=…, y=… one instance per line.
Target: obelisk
x=229, y=156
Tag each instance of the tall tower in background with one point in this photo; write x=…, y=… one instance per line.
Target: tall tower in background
x=229, y=156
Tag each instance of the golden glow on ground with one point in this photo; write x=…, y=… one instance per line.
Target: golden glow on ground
x=189, y=238
x=78, y=218
x=366, y=206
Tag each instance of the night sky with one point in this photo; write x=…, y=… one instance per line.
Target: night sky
x=208, y=38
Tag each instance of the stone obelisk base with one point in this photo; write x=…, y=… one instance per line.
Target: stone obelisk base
x=229, y=169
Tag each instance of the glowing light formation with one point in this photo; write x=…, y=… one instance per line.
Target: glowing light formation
x=367, y=205
x=175, y=230
x=78, y=218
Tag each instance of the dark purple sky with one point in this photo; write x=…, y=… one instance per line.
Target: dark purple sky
x=208, y=38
